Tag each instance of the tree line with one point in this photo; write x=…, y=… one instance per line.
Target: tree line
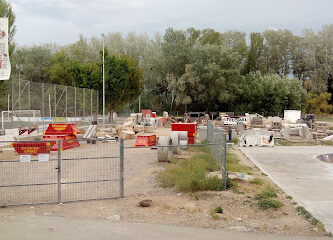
x=194, y=70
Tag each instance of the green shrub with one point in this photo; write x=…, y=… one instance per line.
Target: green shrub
x=189, y=175
x=218, y=209
x=257, y=181
x=269, y=192
x=269, y=203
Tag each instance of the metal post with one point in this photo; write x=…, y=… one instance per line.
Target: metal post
x=59, y=171
x=75, y=103
x=66, y=104
x=224, y=161
x=12, y=100
x=55, y=100
x=121, y=168
x=140, y=58
x=84, y=102
x=29, y=96
x=103, y=36
x=43, y=99
x=97, y=106
x=8, y=106
x=91, y=110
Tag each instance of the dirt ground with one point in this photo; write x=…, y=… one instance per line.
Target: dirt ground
x=173, y=208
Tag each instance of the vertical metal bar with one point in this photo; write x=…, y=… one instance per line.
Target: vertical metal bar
x=12, y=100
x=29, y=100
x=224, y=161
x=121, y=168
x=91, y=109
x=75, y=103
x=97, y=106
x=59, y=171
x=84, y=102
x=66, y=103
x=43, y=99
x=55, y=100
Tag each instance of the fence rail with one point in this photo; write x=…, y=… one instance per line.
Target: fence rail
x=89, y=172
x=30, y=103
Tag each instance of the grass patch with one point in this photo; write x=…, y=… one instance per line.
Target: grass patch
x=266, y=201
x=328, y=143
x=282, y=142
x=269, y=203
x=233, y=165
x=308, y=216
x=214, y=211
x=258, y=181
x=189, y=175
x=268, y=193
x=235, y=141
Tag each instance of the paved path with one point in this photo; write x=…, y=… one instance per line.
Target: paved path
x=308, y=181
x=55, y=228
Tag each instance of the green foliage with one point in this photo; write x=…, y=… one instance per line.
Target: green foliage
x=308, y=216
x=269, y=192
x=233, y=165
x=195, y=70
x=269, y=203
x=258, y=181
x=189, y=175
x=318, y=104
x=270, y=94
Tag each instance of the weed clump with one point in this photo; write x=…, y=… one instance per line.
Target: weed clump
x=269, y=203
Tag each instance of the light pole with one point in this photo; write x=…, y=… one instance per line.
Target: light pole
x=140, y=58
x=103, y=36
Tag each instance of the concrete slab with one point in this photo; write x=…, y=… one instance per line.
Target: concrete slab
x=300, y=175
x=54, y=228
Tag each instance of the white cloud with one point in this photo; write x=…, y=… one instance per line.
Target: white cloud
x=62, y=21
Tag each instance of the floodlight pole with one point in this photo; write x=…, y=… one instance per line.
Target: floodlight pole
x=103, y=36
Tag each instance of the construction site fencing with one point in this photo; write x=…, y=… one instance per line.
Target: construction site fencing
x=215, y=136
x=89, y=172
x=31, y=103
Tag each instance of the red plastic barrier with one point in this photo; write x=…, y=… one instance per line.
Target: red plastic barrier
x=62, y=129
x=145, y=141
x=190, y=128
x=68, y=141
x=32, y=148
x=147, y=111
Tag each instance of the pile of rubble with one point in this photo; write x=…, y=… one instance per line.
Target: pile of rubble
x=136, y=124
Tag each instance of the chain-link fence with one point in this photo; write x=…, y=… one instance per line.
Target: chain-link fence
x=31, y=174
x=31, y=103
x=216, y=135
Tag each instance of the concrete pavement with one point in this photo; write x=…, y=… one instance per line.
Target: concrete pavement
x=294, y=169
x=55, y=228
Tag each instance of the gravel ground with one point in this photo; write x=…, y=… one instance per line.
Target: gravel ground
x=173, y=208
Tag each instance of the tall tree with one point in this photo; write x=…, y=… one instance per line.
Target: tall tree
x=254, y=53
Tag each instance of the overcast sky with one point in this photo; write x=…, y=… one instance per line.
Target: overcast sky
x=61, y=21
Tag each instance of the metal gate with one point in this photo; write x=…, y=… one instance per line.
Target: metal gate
x=89, y=172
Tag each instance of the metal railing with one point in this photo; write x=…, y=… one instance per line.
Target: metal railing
x=216, y=135
x=88, y=172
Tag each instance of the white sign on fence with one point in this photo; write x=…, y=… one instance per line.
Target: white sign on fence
x=4, y=53
x=43, y=157
x=25, y=158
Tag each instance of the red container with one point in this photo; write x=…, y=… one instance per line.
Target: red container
x=62, y=129
x=67, y=141
x=190, y=128
x=32, y=148
x=145, y=141
x=163, y=120
x=148, y=111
